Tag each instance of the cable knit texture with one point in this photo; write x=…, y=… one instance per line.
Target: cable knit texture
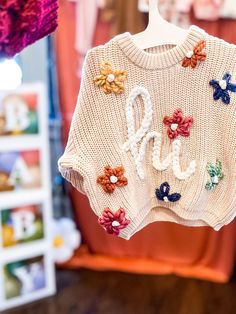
x=127, y=130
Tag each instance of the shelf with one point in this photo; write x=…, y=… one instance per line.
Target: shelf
x=25, y=251
x=49, y=270
x=35, y=196
x=23, y=197
x=21, y=142
x=31, y=297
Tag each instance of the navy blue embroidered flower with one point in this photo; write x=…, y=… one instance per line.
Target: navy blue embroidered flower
x=222, y=88
x=163, y=193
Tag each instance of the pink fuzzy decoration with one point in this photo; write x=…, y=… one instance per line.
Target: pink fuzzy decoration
x=22, y=22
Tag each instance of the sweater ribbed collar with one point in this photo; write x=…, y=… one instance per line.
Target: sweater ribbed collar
x=159, y=60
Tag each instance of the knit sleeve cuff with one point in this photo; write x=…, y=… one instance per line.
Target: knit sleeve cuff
x=72, y=172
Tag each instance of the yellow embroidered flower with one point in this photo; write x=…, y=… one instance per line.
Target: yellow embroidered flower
x=111, y=81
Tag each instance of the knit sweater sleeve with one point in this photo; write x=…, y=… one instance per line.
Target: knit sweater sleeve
x=74, y=162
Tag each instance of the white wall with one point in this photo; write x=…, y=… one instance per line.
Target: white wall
x=33, y=61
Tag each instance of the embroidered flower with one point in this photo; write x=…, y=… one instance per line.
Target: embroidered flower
x=178, y=124
x=113, y=222
x=215, y=173
x=112, y=178
x=163, y=193
x=193, y=56
x=111, y=81
x=222, y=88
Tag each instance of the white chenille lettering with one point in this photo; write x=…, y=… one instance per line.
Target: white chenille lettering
x=142, y=135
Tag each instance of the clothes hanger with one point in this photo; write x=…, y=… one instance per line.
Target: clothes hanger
x=159, y=31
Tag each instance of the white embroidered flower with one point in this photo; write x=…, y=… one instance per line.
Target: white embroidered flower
x=66, y=238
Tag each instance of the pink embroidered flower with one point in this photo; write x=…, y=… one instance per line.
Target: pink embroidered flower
x=113, y=222
x=178, y=124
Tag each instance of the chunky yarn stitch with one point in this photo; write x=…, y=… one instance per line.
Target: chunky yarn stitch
x=163, y=193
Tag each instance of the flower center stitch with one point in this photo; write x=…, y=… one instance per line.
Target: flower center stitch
x=223, y=84
x=58, y=241
x=165, y=198
x=115, y=223
x=110, y=78
x=189, y=54
x=174, y=126
x=113, y=179
x=215, y=180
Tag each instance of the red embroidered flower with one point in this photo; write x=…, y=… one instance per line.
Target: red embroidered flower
x=178, y=124
x=113, y=222
x=195, y=55
x=112, y=178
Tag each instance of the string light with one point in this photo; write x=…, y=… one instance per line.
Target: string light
x=10, y=74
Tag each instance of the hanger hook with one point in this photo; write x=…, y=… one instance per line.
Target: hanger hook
x=153, y=10
x=153, y=5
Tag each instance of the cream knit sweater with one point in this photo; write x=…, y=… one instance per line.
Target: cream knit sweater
x=153, y=136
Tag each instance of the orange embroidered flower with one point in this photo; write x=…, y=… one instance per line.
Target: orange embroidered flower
x=195, y=55
x=111, y=81
x=112, y=178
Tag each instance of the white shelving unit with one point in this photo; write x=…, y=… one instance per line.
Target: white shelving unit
x=19, y=256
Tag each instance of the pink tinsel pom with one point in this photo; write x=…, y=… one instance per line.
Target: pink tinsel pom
x=22, y=22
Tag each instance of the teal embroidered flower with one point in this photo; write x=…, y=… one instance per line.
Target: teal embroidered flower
x=215, y=173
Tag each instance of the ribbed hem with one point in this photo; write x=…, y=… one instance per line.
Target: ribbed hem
x=177, y=214
x=159, y=60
